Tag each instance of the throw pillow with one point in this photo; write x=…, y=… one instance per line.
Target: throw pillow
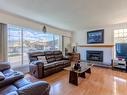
x=43, y=59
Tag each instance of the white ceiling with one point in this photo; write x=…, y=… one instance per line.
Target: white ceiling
x=74, y=15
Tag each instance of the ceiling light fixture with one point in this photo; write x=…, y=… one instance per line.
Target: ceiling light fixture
x=44, y=29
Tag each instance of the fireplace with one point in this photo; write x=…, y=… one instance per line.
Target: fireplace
x=94, y=55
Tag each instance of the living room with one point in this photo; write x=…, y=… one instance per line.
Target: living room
x=63, y=47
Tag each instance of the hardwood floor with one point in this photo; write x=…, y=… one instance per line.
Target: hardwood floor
x=102, y=81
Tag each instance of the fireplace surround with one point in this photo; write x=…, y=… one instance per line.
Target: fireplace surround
x=94, y=55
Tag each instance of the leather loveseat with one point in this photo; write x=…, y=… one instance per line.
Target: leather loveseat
x=55, y=62
x=14, y=83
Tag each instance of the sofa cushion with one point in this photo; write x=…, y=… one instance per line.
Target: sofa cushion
x=48, y=52
x=36, y=88
x=7, y=89
x=10, y=77
x=8, y=72
x=2, y=77
x=58, y=57
x=43, y=59
x=11, y=73
x=48, y=66
x=50, y=58
x=22, y=82
x=57, y=52
x=66, y=61
x=57, y=63
x=35, y=54
x=53, y=65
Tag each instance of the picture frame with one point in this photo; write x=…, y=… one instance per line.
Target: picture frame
x=96, y=36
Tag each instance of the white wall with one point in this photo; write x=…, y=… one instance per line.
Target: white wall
x=80, y=37
x=8, y=18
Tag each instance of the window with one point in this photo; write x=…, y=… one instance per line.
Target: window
x=120, y=36
x=22, y=40
x=14, y=45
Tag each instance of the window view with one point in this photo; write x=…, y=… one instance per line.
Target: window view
x=21, y=41
x=120, y=36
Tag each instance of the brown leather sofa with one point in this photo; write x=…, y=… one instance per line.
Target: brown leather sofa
x=14, y=83
x=55, y=62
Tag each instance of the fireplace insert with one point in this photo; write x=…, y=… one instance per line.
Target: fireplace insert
x=94, y=55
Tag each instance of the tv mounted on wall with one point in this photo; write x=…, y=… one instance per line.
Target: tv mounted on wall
x=121, y=50
x=96, y=36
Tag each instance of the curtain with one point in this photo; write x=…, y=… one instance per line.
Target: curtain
x=3, y=42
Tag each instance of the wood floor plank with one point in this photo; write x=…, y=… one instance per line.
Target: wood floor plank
x=101, y=81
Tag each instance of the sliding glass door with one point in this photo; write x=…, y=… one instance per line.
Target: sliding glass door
x=14, y=45
x=21, y=41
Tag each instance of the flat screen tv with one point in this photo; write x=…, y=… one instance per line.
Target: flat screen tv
x=121, y=50
x=96, y=36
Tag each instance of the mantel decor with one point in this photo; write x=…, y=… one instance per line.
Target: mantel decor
x=96, y=36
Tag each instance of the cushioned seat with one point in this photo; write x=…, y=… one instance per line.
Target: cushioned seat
x=53, y=64
x=49, y=65
x=10, y=77
x=57, y=63
x=7, y=89
x=22, y=82
x=8, y=72
x=11, y=73
x=65, y=61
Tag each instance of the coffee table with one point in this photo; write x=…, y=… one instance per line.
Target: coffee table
x=74, y=74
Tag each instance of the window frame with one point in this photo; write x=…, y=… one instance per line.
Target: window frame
x=22, y=36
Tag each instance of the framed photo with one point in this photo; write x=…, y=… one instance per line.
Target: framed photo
x=96, y=36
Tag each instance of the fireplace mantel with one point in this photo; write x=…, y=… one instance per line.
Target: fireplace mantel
x=107, y=51
x=96, y=46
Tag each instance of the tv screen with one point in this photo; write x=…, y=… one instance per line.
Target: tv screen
x=121, y=50
x=96, y=36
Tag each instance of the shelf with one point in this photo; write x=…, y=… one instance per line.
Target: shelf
x=119, y=65
x=101, y=46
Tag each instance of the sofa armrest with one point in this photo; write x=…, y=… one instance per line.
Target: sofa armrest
x=4, y=66
x=38, y=62
x=37, y=69
x=37, y=88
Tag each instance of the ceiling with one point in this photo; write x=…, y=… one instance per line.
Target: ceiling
x=72, y=15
